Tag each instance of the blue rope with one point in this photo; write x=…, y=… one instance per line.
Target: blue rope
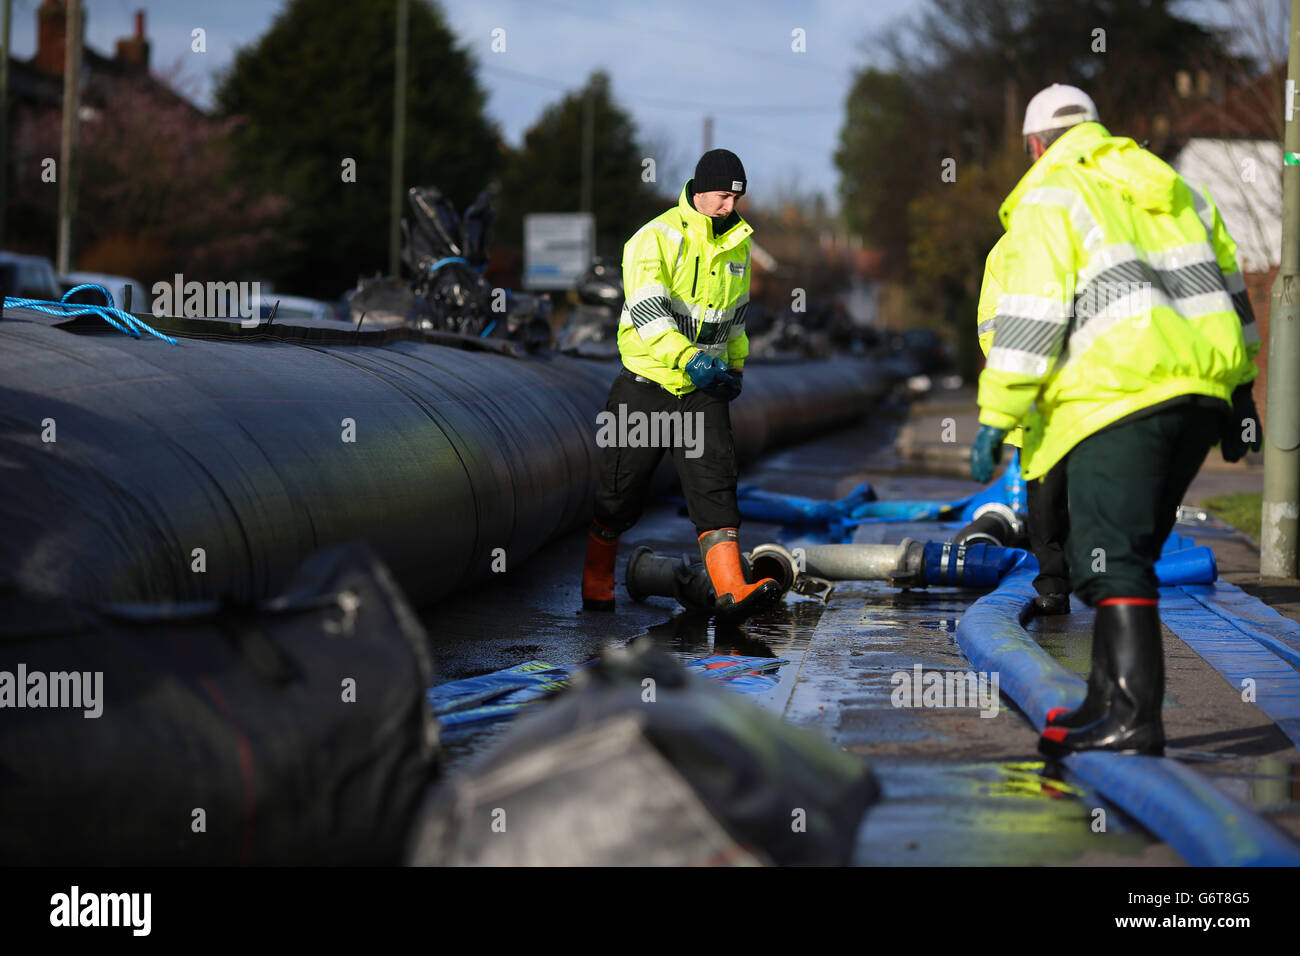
x=124, y=322
x=446, y=262
x=450, y=259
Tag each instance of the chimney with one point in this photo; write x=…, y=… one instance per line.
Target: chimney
x=51, y=28
x=133, y=51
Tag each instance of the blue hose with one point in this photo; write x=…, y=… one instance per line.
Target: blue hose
x=1205, y=826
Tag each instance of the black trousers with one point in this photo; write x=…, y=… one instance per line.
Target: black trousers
x=1126, y=483
x=641, y=423
x=1049, y=527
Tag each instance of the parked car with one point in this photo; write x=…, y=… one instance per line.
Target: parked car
x=297, y=307
x=29, y=277
x=115, y=284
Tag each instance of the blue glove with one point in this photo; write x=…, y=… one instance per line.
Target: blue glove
x=729, y=388
x=705, y=371
x=1244, y=416
x=986, y=452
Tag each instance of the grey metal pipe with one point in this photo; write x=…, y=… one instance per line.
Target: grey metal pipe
x=898, y=563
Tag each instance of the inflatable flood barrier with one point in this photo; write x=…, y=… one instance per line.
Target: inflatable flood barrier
x=140, y=471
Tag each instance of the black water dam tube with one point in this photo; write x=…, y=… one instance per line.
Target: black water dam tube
x=135, y=470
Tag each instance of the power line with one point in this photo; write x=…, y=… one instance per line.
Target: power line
x=772, y=138
x=689, y=37
x=668, y=104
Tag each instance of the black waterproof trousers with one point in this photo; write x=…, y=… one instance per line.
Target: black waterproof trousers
x=640, y=423
x=1049, y=527
x=1125, y=485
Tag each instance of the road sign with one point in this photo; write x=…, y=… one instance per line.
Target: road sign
x=558, y=248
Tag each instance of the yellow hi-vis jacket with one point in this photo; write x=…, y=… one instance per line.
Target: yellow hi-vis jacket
x=986, y=313
x=685, y=290
x=1120, y=290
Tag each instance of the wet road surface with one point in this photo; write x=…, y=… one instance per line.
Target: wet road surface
x=958, y=788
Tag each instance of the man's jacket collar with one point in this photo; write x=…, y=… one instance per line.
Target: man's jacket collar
x=1139, y=176
x=699, y=224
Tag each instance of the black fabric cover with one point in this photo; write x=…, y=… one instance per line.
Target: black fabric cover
x=601, y=776
x=235, y=448
x=237, y=711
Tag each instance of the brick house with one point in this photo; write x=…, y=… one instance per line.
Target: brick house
x=1230, y=140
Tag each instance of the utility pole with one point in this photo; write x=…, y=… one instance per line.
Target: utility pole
x=708, y=133
x=68, y=149
x=1277, y=557
x=588, y=147
x=4, y=122
x=399, y=143
x=1011, y=116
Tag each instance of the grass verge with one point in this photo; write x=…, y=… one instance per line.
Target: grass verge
x=1241, y=511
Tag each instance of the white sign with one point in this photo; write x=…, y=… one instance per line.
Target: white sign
x=558, y=248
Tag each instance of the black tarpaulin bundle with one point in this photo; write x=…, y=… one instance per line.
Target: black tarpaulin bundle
x=296, y=732
x=443, y=257
x=618, y=771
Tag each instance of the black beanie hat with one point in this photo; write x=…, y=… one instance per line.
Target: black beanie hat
x=719, y=170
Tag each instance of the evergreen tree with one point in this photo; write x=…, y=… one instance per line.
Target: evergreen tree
x=545, y=174
x=317, y=91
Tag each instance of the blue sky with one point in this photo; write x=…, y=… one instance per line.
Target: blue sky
x=671, y=63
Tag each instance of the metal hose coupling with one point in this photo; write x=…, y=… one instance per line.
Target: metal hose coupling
x=787, y=570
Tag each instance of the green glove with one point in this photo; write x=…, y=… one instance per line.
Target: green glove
x=986, y=452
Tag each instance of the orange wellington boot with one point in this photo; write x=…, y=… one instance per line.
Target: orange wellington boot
x=736, y=599
x=598, y=572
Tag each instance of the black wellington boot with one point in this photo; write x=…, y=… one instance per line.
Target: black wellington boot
x=1046, y=605
x=1131, y=722
x=1094, y=704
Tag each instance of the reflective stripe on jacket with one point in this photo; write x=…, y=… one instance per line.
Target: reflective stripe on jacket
x=986, y=315
x=685, y=290
x=1120, y=291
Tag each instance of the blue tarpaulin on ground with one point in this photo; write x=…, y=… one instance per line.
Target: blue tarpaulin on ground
x=503, y=693
x=1008, y=490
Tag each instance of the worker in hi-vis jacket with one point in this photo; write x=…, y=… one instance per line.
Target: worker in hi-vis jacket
x=1048, y=507
x=682, y=340
x=1124, y=321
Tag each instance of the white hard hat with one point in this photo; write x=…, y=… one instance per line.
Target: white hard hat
x=1075, y=106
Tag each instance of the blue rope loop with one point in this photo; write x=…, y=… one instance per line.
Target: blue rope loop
x=450, y=259
x=124, y=322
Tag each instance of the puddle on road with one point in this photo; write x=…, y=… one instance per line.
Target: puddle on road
x=785, y=632
x=941, y=813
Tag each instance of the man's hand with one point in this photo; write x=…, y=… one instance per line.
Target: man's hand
x=986, y=452
x=705, y=371
x=1242, y=429
x=729, y=388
